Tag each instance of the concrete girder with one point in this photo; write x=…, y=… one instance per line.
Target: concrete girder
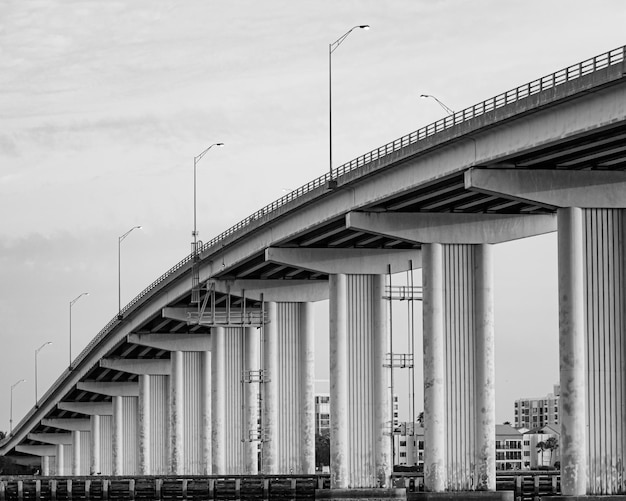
x=142, y=366
x=111, y=389
x=37, y=450
x=446, y=228
x=69, y=424
x=346, y=261
x=552, y=188
x=52, y=438
x=279, y=291
x=173, y=342
x=89, y=408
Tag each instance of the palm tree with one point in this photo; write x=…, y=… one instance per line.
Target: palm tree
x=552, y=444
x=542, y=447
x=420, y=419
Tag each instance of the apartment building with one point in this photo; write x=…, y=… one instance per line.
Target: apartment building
x=533, y=413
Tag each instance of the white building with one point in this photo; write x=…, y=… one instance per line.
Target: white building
x=538, y=412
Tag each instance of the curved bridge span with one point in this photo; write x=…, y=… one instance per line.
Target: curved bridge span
x=210, y=370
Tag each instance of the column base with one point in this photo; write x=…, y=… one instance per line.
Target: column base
x=360, y=493
x=586, y=497
x=463, y=496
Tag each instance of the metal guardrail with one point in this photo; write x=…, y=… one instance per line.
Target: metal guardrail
x=550, y=81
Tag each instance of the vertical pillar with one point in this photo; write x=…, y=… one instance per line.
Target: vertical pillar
x=572, y=352
x=75, y=452
x=270, y=414
x=144, y=425
x=94, y=463
x=380, y=347
x=45, y=466
x=118, y=435
x=176, y=412
x=218, y=400
x=307, y=393
x=338, y=342
x=60, y=463
x=205, y=410
x=434, y=389
x=485, y=370
x=251, y=401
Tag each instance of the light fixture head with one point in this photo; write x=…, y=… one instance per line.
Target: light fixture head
x=364, y=26
x=424, y=95
x=219, y=144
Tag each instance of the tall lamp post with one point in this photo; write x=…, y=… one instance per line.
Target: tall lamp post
x=119, y=270
x=72, y=304
x=36, y=353
x=332, y=47
x=195, y=228
x=11, y=406
x=447, y=109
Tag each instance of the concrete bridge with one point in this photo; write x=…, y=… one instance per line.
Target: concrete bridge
x=211, y=367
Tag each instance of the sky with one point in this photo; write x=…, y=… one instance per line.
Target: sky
x=104, y=104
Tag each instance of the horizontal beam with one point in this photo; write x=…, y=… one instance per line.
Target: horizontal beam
x=68, y=424
x=89, y=408
x=110, y=389
x=446, y=228
x=173, y=342
x=552, y=188
x=37, y=450
x=279, y=291
x=140, y=366
x=346, y=261
x=52, y=438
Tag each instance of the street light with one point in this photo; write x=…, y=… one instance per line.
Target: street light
x=36, y=352
x=332, y=48
x=119, y=270
x=11, y=406
x=447, y=109
x=72, y=304
x=195, y=229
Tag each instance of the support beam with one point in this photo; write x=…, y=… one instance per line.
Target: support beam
x=345, y=261
x=173, y=342
x=156, y=366
x=111, y=389
x=37, y=450
x=274, y=290
x=69, y=424
x=88, y=408
x=552, y=188
x=448, y=228
x=52, y=438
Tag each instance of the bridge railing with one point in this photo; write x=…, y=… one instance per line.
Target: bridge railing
x=552, y=80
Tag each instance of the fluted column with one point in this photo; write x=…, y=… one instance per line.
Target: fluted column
x=270, y=413
x=307, y=385
x=434, y=369
x=144, y=425
x=95, y=467
x=338, y=341
x=251, y=401
x=218, y=406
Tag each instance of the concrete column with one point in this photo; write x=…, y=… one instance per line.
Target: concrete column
x=270, y=414
x=118, y=435
x=75, y=452
x=380, y=348
x=484, y=358
x=176, y=412
x=60, y=463
x=218, y=400
x=205, y=409
x=434, y=369
x=307, y=393
x=573, y=442
x=338, y=342
x=144, y=425
x=94, y=463
x=251, y=401
x=45, y=466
